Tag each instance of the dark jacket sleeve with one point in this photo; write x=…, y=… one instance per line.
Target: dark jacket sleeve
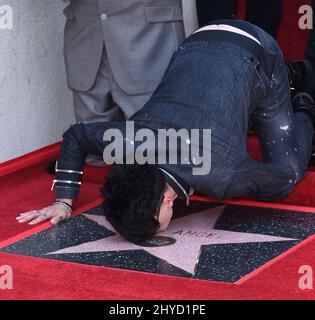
x=79, y=141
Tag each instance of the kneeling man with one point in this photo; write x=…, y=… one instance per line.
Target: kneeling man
x=225, y=77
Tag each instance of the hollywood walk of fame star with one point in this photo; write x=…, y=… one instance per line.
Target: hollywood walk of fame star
x=191, y=233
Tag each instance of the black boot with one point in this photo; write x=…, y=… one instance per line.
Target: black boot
x=303, y=102
x=300, y=73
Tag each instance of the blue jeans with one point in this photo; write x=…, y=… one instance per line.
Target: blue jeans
x=285, y=137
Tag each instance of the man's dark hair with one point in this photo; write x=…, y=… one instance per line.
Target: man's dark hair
x=132, y=195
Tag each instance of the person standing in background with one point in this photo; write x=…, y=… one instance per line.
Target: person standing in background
x=266, y=14
x=116, y=53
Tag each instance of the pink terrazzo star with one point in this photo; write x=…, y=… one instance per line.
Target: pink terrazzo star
x=191, y=233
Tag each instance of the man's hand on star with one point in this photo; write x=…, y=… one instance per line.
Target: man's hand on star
x=55, y=213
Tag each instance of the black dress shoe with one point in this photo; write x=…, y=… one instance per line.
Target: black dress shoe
x=300, y=73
